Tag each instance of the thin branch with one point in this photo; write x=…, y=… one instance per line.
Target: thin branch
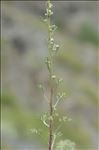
x=53, y=142
x=47, y=125
x=56, y=102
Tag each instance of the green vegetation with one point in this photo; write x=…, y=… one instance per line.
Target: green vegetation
x=89, y=34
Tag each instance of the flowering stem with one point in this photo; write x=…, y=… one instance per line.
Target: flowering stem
x=54, y=85
x=52, y=49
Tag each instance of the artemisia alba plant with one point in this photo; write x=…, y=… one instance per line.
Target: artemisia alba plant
x=56, y=95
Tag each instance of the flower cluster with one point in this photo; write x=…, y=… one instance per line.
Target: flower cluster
x=53, y=46
x=49, y=9
x=51, y=28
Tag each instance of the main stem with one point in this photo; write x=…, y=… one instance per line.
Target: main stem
x=51, y=121
x=51, y=92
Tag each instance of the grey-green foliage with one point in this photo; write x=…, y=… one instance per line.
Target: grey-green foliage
x=65, y=145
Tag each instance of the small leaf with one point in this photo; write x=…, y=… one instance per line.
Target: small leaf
x=51, y=118
x=64, y=118
x=40, y=86
x=59, y=134
x=45, y=20
x=48, y=63
x=35, y=131
x=53, y=76
x=65, y=145
x=69, y=119
x=61, y=95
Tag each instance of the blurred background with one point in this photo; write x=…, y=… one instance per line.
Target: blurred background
x=24, y=47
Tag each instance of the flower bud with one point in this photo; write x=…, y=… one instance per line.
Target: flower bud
x=51, y=40
x=50, y=5
x=53, y=77
x=57, y=46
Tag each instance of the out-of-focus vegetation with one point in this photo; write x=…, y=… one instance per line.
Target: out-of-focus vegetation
x=89, y=34
x=23, y=49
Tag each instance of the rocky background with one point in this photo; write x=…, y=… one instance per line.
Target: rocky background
x=23, y=49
